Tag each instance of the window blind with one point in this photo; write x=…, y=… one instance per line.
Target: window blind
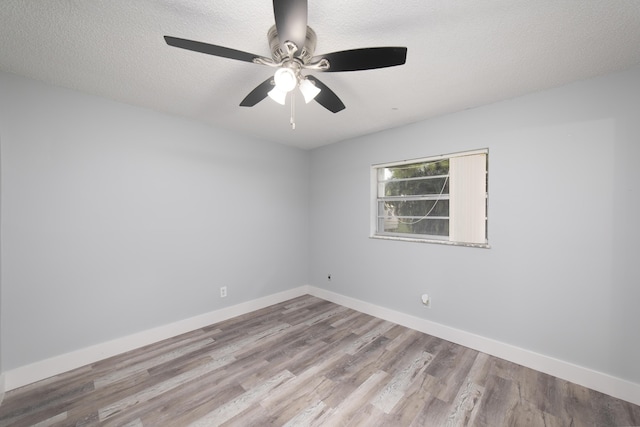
x=468, y=200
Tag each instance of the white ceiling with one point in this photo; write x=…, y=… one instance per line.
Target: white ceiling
x=461, y=54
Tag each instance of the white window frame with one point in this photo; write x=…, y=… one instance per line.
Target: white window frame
x=469, y=209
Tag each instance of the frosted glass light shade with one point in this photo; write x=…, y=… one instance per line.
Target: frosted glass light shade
x=285, y=79
x=277, y=95
x=309, y=90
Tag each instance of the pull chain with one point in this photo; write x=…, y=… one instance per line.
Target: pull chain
x=293, y=111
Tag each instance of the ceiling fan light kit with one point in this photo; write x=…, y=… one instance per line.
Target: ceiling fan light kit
x=292, y=44
x=287, y=78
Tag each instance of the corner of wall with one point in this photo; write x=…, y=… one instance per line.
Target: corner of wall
x=1, y=388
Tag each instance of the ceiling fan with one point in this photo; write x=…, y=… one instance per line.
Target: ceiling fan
x=292, y=45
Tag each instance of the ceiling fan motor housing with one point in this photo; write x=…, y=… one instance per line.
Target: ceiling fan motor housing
x=305, y=54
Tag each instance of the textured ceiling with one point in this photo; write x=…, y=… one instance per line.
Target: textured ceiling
x=461, y=54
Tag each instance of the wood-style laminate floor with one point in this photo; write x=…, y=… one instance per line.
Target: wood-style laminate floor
x=309, y=362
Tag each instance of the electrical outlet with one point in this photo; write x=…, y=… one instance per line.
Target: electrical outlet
x=426, y=300
x=223, y=292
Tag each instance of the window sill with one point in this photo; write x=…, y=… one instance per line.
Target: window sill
x=439, y=242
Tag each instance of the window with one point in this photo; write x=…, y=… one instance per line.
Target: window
x=439, y=199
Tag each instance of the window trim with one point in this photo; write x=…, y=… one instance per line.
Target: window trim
x=412, y=237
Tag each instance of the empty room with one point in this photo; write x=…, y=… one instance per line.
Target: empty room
x=303, y=213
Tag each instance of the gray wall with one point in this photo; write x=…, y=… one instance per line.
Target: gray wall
x=117, y=219
x=562, y=277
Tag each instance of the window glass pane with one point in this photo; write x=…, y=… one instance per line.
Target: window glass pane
x=417, y=187
x=428, y=226
x=414, y=170
x=414, y=208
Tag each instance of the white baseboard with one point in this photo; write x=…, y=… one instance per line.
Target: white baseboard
x=586, y=377
x=37, y=371
x=604, y=383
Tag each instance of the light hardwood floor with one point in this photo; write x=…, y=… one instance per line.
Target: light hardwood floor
x=309, y=362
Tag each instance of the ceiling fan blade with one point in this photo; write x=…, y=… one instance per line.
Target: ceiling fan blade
x=326, y=97
x=210, y=49
x=258, y=94
x=364, y=59
x=291, y=21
